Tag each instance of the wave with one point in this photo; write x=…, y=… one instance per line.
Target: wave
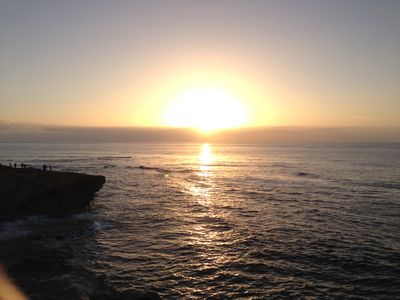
x=96, y=227
x=62, y=159
x=113, y=157
x=160, y=170
x=15, y=229
x=384, y=185
x=109, y=166
x=11, y=231
x=69, y=159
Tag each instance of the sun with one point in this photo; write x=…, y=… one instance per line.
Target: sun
x=206, y=109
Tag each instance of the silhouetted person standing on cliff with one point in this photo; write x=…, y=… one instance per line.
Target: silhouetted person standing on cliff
x=44, y=167
x=15, y=165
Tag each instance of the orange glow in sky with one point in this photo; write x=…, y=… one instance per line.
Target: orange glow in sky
x=207, y=65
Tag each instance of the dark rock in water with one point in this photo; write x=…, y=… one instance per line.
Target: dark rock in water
x=32, y=191
x=302, y=174
x=308, y=175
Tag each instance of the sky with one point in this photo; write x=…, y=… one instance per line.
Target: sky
x=122, y=63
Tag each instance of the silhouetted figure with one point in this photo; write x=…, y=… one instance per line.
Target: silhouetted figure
x=44, y=167
x=10, y=165
x=51, y=168
x=15, y=165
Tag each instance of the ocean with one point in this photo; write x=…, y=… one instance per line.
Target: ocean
x=198, y=221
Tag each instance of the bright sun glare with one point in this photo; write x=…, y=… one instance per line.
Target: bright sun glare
x=206, y=109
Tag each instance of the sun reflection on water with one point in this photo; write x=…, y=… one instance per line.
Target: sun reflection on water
x=205, y=160
x=208, y=230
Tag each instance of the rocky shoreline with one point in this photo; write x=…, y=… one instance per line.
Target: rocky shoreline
x=42, y=262
x=28, y=191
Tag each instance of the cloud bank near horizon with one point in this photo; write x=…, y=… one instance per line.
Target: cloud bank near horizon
x=24, y=132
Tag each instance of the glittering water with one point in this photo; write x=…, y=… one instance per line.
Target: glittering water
x=198, y=221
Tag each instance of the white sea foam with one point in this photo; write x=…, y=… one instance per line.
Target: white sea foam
x=18, y=228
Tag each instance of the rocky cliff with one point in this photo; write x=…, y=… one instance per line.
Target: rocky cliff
x=46, y=261
x=32, y=191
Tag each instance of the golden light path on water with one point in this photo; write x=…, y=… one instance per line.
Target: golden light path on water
x=202, y=192
x=204, y=232
x=205, y=159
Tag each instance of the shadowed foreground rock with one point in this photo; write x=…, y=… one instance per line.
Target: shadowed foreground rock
x=32, y=191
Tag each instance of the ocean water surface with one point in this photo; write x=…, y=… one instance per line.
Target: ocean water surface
x=226, y=221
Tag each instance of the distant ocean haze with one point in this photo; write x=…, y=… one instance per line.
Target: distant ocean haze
x=21, y=132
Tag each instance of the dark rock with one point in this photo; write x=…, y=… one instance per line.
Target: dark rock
x=302, y=174
x=32, y=191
